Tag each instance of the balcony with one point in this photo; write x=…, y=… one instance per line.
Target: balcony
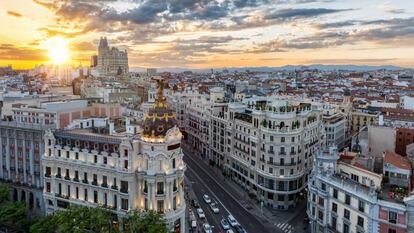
x=282, y=153
x=67, y=178
x=124, y=190
x=76, y=179
x=104, y=185
x=95, y=183
x=271, y=152
x=58, y=176
x=292, y=153
x=47, y=175
x=85, y=181
x=114, y=187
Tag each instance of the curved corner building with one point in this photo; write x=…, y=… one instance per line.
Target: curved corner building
x=92, y=164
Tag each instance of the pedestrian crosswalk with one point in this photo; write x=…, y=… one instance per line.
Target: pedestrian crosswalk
x=285, y=227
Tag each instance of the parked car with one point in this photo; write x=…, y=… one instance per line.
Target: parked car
x=225, y=224
x=214, y=207
x=207, y=228
x=192, y=219
x=206, y=198
x=239, y=229
x=200, y=213
x=230, y=231
x=195, y=203
x=233, y=222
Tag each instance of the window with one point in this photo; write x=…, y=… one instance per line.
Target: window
x=160, y=206
x=335, y=193
x=85, y=196
x=67, y=154
x=48, y=187
x=333, y=222
x=95, y=179
x=392, y=230
x=313, y=197
x=320, y=215
x=173, y=163
x=346, y=214
x=60, y=189
x=323, y=186
x=347, y=199
x=105, y=160
x=77, y=155
x=124, y=186
x=270, y=170
x=360, y=221
x=126, y=164
x=85, y=177
x=334, y=207
x=345, y=228
x=321, y=201
x=282, y=139
x=48, y=171
x=124, y=204
x=58, y=172
x=95, y=159
x=361, y=206
x=76, y=176
x=160, y=187
x=68, y=191
x=95, y=196
x=116, y=201
x=104, y=181
x=392, y=217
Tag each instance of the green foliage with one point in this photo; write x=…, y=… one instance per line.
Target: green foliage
x=48, y=224
x=13, y=214
x=79, y=219
x=4, y=193
x=148, y=222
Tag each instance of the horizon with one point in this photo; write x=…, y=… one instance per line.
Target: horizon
x=211, y=34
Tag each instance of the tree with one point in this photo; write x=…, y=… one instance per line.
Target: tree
x=4, y=193
x=14, y=214
x=148, y=222
x=48, y=224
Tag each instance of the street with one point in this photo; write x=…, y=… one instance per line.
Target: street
x=202, y=184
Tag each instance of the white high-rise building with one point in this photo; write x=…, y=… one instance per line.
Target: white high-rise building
x=111, y=60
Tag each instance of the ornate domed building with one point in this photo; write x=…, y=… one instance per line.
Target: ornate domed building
x=122, y=171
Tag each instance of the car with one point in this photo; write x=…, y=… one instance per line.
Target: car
x=200, y=213
x=206, y=198
x=233, y=222
x=214, y=207
x=195, y=203
x=239, y=229
x=230, y=231
x=207, y=228
x=225, y=224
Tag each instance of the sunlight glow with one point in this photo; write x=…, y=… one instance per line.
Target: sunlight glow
x=58, y=50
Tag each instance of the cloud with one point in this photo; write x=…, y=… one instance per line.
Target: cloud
x=350, y=61
x=286, y=14
x=14, y=13
x=13, y=52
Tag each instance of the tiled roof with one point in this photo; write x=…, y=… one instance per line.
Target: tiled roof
x=397, y=160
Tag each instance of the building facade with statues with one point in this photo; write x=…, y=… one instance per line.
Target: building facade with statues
x=111, y=61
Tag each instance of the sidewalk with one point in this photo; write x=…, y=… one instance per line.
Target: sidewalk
x=276, y=218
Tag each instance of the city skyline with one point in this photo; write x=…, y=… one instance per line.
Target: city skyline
x=212, y=33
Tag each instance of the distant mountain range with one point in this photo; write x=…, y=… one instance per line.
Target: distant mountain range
x=280, y=68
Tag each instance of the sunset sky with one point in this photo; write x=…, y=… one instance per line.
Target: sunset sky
x=212, y=33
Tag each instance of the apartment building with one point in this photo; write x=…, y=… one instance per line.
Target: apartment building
x=346, y=194
x=101, y=164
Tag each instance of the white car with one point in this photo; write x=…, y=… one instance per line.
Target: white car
x=200, y=213
x=206, y=198
x=214, y=207
x=207, y=228
x=233, y=222
x=225, y=224
x=230, y=231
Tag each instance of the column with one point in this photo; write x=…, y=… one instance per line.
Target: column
x=31, y=160
x=24, y=158
x=16, y=158
x=171, y=197
x=167, y=195
x=139, y=189
x=8, y=157
x=1, y=156
x=153, y=196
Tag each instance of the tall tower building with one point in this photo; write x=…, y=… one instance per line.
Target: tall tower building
x=111, y=60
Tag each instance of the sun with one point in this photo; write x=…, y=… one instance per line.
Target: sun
x=58, y=50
